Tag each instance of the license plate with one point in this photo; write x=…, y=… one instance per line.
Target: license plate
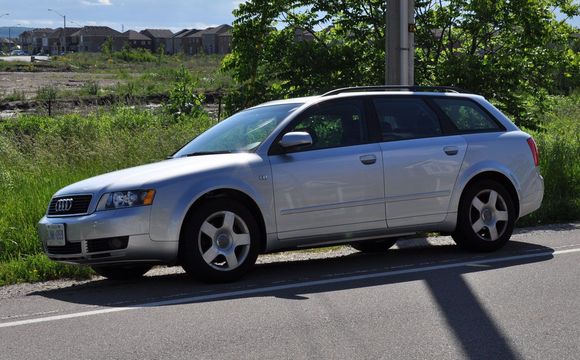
x=56, y=235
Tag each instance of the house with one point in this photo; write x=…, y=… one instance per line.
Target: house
x=303, y=35
x=31, y=40
x=179, y=42
x=92, y=38
x=186, y=41
x=206, y=41
x=137, y=40
x=224, y=42
x=160, y=38
x=55, y=42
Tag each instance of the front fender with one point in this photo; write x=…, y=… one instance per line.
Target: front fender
x=172, y=202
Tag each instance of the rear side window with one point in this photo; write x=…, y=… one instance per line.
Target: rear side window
x=466, y=115
x=402, y=119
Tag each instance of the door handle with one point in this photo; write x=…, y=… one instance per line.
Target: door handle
x=451, y=150
x=368, y=159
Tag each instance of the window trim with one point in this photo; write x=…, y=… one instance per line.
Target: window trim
x=276, y=149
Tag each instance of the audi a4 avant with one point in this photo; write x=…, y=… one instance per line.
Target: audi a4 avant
x=361, y=166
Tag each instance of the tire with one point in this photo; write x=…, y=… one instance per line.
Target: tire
x=374, y=246
x=220, y=241
x=485, y=224
x=122, y=272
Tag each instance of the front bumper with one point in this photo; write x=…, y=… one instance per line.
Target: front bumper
x=87, y=238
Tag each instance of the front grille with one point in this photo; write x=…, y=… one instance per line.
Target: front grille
x=67, y=249
x=79, y=204
x=108, y=244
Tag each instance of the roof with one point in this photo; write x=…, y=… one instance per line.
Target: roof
x=56, y=34
x=39, y=31
x=226, y=33
x=135, y=36
x=213, y=30
x=180, y=33
x=97, y=31
x=158, y=33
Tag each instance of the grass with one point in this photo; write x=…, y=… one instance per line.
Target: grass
x=39, y=155
x=139, y=73
x=559, y=146
x=38, y=267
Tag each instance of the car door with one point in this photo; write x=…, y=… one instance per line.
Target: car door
x=421, y=163
x=334, y=186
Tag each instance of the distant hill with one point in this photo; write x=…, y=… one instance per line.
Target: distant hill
x=14, y=31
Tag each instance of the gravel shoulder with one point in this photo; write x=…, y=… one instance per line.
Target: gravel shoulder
x=522, y=235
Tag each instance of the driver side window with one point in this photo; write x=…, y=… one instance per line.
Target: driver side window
x=335, y=124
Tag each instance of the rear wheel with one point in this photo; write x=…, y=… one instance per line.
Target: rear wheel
x=122, y=272
x=486, y=217
x=220, y=241
x=374, y=246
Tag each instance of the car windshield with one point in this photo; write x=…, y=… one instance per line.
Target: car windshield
x=242, y=132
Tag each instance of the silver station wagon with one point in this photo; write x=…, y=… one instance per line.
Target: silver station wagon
x=361, y=166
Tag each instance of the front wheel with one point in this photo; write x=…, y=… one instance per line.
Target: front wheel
x=486, y=217
x=220, y=242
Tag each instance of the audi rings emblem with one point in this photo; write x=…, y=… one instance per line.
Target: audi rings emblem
x=63, y=205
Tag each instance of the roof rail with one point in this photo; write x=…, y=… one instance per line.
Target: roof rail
x=450, y=89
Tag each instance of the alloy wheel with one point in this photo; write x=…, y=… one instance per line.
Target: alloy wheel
x=489, y=215
x=224, y=240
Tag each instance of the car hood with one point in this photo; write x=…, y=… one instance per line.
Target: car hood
x=149, y=175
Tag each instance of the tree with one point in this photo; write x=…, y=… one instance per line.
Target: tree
x=107, y=48
x=508, y=50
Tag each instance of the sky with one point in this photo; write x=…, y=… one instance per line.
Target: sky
x=124, y=14
x=130, y=14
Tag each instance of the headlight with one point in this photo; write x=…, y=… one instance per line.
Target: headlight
x=126, y=199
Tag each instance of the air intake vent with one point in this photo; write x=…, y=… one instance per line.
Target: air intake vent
x=68, y=249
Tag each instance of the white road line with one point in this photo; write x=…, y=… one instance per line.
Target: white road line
x=245, y=292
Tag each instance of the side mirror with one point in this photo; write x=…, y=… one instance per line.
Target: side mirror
x=294, y=140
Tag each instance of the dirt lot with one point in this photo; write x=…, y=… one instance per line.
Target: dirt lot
x=29, y=82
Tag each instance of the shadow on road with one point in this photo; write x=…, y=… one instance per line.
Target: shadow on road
x=474, y=329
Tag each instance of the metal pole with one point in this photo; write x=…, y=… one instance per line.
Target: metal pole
x=399, y=42
x=403, y=43
x=64, y=33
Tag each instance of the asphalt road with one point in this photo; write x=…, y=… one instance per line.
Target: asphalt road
x=427, y=301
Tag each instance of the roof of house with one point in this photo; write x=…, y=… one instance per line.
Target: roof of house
x=158, y=33
x=213, y=30
x=97, y=31
x=135, y=36
x=38, y=32
x=180, y=33
x=189, y=33
x=228, y=32
x=57, y=33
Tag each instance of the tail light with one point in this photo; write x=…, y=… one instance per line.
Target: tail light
x=534, y=150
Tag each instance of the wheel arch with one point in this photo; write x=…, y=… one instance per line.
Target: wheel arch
x=233, y=194
x=501, y=178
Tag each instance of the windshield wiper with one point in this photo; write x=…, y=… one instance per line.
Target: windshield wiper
x=200, y=153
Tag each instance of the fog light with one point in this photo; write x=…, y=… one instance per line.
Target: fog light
x=116, y=243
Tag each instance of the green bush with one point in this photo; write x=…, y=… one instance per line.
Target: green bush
x=128, y=54
x=559, y=146
x=184, y=100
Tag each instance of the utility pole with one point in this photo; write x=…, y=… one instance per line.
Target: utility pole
x=400, y=43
